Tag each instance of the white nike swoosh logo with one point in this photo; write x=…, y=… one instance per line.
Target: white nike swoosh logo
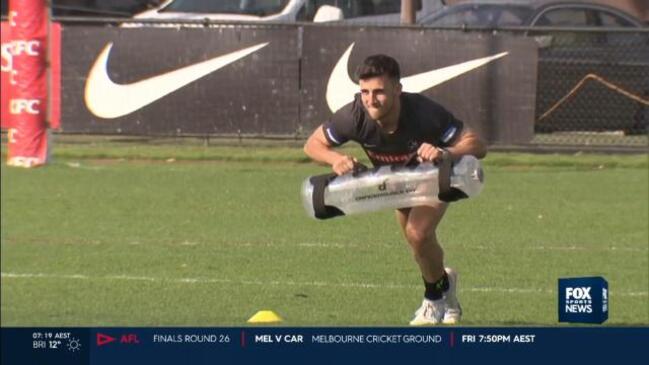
x=341, y=88
x=108, y=100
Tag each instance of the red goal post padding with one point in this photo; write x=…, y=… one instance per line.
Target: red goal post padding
x=25, y=82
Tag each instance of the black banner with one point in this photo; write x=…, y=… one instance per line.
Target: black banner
x=496, y=97
x=253, y=94
x=306, y=345
x=273, y=80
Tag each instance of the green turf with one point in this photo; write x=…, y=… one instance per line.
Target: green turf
x=209, y=243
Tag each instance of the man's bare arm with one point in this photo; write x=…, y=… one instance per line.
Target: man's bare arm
x=468, y=144
x=319, y=149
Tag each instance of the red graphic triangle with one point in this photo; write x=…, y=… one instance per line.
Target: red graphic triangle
x=103, y=339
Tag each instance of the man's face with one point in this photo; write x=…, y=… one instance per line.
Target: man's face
x=378, y=95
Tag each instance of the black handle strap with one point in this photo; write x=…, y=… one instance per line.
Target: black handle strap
x=412, y=161
x=359, y=168
x=321, y=210
x=446, y=192
x=444, y=172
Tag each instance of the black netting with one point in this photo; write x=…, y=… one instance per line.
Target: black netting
x=595, y=82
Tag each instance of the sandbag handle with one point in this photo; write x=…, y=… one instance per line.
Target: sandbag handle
x=444, y=167
x=358, y=169
x=320, y=209
x=447, y=193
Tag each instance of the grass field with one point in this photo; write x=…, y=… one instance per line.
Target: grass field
x=195, y=236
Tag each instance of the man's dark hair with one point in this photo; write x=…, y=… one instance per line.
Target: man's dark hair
x=378, y=65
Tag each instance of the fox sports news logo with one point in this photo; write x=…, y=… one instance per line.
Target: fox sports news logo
x=579, y=300
x=583, y=300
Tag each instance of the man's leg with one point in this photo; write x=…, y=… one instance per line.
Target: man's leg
x=440, y=303
x=419, y=225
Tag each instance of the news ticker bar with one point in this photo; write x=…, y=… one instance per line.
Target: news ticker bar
x=262, y=344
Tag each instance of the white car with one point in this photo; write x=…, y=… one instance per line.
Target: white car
x=355, y=11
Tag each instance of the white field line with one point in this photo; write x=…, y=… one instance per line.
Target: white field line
x=325, y=245
x=10, y=275
x=329, y=245
x=562, y=248
x=578, y=248
x=481, y=247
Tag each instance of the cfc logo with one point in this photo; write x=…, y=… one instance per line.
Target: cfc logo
x=28, y=47
x=7, y=62
x=19, y=106
x=16, y=48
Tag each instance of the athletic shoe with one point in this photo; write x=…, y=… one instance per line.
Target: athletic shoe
x=453, y=312
x=430, y=313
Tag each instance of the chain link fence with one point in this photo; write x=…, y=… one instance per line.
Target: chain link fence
x=592, y=88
